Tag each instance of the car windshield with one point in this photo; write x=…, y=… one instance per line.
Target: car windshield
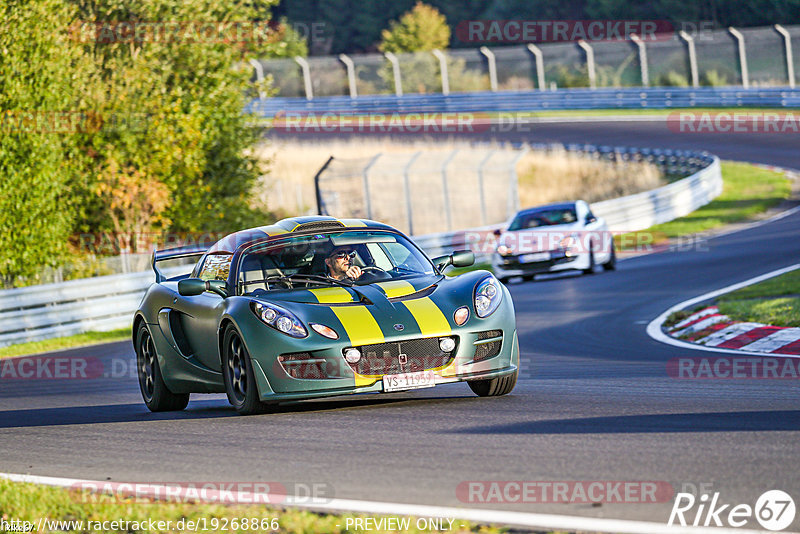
x=546, y=217
x=327, y=259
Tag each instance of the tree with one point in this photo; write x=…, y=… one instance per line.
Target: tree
x=422, y=29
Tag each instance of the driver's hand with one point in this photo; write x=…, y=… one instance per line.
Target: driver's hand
x=354, y=272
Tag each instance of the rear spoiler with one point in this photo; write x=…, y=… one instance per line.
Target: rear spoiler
x=187, y=251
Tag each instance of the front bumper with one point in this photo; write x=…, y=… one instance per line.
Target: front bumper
x=505, y=266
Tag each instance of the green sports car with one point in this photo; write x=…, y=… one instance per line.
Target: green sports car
x=315, y=307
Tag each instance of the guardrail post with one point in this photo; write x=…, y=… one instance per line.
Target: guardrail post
x=351, y=74
x=407, y=189
x=445, y=190
x=443, y=71
x=589, y=62
x=398, y=83
x=365, y=177
x=787, y=46
x=537, y=53
x=492, y=68
x=742, y=56
x=321, y=209
x=306, y=76
x=642, y=59
x=259, y=68
x=513, y=184
x=692, y=57
x=481, y=165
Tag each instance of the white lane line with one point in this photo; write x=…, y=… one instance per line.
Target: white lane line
x=775, y=340
x=496, y=517
x=654, y=328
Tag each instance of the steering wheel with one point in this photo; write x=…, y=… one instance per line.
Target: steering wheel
x=375, y=272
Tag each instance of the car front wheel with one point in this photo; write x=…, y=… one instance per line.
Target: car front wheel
x=157, y=396
x=494, y=387
x=237, y=370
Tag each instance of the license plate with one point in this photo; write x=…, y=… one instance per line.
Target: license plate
x=421, y=379
x=539, y=256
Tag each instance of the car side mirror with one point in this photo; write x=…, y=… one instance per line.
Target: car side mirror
x=590, y=219
x=459, y=258
x=497, y=233
x=190, y=287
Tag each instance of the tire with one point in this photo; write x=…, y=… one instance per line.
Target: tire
x=494, y=387
x=237, y=373
x=157, y=396
x=611, y=264
x=528, y=277
x=590, y=268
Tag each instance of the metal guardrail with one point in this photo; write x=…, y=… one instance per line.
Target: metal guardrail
x=107, y=302
x=513, y=101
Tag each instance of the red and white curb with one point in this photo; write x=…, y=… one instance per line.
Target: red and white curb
x=708, y=330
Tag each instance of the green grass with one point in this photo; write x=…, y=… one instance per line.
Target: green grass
x=775, y=301
x=58, y=343
x=29, y=502
x=748, y=191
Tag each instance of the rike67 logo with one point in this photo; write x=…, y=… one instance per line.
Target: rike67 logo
x=774, y=510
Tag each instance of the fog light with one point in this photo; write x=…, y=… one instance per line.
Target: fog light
x=461, y=315
x=352, y=355
x=447, y=344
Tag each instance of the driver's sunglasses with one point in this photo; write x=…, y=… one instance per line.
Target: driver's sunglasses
x=342, y=255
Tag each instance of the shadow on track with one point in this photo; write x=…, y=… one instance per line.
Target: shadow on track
x=756, y=421
x=204, y=409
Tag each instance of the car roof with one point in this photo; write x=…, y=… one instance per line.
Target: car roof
x=554, y=205
x=293, y=225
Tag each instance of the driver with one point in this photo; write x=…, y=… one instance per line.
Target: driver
x=340, y=264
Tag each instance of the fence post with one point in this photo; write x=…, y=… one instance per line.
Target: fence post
x=742, y=56
x=407, y=188
x=259, y=68
x=443, y=71
x=642, y=59
x=306, y=76
x=513, y=183
x=365, y=176
x=589, y=62
x=787, y=45
x=492, y=68
x=351, y=74
x=537, y=53
x=692, y=57
x=398, y=83
x=320, y=203
x=481, y=165
x=445, y=190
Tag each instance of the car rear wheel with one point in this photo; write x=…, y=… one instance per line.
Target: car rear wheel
x=611, y=264
x=157, y=396
x=237, y=370
x=494, y=387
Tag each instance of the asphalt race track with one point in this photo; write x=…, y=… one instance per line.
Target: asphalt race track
x=595, y=402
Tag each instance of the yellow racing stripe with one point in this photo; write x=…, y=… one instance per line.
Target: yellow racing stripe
x=429, y=317
x=331, y=295
x=360, y=325
x=396, y=288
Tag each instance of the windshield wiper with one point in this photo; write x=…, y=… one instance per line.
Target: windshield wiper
x=299, y=277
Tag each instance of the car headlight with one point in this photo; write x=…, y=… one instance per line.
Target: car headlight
x=503, y=250
x=488, y=295
x=568, y=244
x=279, y=319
